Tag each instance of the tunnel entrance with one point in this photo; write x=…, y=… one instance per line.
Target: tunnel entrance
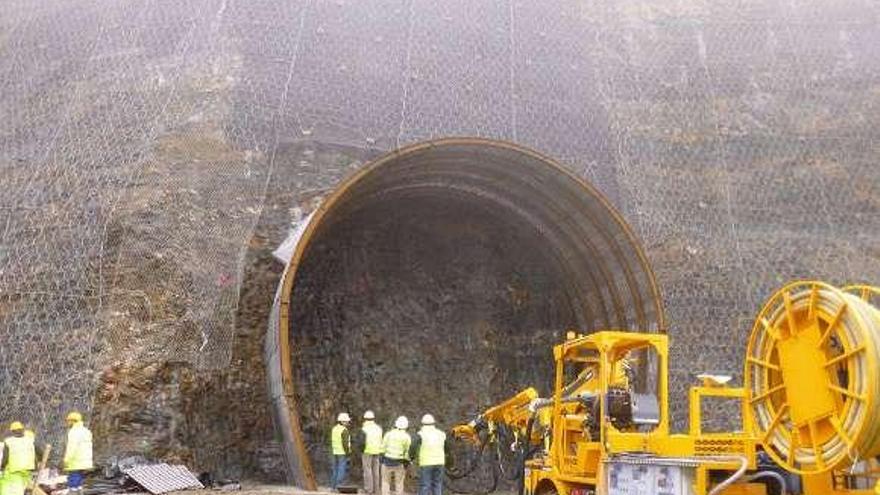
x=436, y=280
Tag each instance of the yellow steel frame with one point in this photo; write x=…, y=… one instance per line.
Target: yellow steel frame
x=696, y=395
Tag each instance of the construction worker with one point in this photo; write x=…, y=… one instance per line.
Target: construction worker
x=395, y=457
x=370, y=436
x=19, y=460
x=430, y=448
x=77, y=452
x=340, y=448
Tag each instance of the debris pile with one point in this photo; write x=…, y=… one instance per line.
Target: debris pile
x=134, y=475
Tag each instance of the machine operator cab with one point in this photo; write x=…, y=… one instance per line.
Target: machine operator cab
x=609, y=387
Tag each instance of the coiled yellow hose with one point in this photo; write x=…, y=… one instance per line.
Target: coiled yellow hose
x=811, y=375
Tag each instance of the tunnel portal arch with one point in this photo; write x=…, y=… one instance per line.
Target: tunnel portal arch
x=549, y=251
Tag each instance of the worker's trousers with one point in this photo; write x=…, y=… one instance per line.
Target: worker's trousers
x=14, y=483
x=397, y=474
x=339, y=472
x=431, y=480
x=371, y=473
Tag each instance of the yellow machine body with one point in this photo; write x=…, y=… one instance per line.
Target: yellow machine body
x=802, y=391
x=576, y=460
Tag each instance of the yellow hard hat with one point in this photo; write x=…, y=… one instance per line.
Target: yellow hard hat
x=74, y=416
x=16, y=426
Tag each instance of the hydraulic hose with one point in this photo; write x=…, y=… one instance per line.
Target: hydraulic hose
x=472, y=466
x=783, y=485
x=455, y=477
x=539, y=404
x=744, y=465
x=474, y=463
x=525, y=451
x=582, y=378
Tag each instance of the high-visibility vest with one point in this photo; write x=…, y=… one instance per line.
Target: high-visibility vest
x=432, y=451
x=22, y=455
x=78, y=451
x=877, y=488
x=336, y=444
x=396, y=444
x=373, y=435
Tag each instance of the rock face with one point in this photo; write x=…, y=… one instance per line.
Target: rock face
x=151, y=402
x=152, y=155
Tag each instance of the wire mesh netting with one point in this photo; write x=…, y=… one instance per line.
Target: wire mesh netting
x=137, y=139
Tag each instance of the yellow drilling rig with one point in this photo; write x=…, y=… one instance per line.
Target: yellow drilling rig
x=809, y=410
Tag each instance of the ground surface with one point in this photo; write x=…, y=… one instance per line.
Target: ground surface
x=254, y=488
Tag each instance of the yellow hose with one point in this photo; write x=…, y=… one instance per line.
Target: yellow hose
x=812, y=377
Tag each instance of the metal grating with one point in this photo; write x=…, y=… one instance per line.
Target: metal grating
x=719, y=446
x=163, y=478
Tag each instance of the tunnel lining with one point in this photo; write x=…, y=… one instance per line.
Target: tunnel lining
x=568, y=196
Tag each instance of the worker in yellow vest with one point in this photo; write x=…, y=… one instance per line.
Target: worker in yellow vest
x=430, y=448
x=370, y=437
x=340, y=448
x=19, y=460
x=77, y=452
x=395, y=457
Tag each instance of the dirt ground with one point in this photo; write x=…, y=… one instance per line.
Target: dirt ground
x=255, y=488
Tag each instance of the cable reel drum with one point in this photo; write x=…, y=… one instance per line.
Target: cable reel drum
x=865, y=292
x=812, y=378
